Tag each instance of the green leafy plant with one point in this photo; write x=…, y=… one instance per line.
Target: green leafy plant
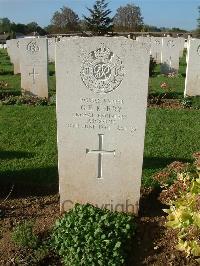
x=191, y=102
x=184, y=212
x=24, y=236
x=174, y=180
x=87, y=235
x=19, y=100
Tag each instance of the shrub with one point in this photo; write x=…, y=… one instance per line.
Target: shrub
x=23, y=235
x=191, y=102
x=174, y=180
x=87, y=235
x=25, y=99
x=184, y=214
x=183, y=198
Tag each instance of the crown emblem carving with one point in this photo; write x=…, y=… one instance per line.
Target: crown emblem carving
x=102, y=71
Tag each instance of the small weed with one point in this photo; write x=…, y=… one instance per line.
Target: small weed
x=23, y=235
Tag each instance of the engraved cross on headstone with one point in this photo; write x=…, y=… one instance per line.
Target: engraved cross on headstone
x=33, y=74
x=100, y=151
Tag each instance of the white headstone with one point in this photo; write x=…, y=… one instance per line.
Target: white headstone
x=8, y=48
x=156, y=48
x=192, y=81
x=51, y=49
x=102, y=86
x=146, y=41
x=170, y=55
x=14, y=53
x=182, y=45
x=33, y=66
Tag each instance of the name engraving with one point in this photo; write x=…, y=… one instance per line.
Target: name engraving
x=101, y=114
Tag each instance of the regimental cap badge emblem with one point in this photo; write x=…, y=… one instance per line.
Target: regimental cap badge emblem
x=32, y=47
x=170, y=44
x=102, y=71
x=157, y=42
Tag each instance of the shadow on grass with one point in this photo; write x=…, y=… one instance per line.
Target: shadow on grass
x=15, y=155
x=159, y=162
x=6, y=72
x=29, y=182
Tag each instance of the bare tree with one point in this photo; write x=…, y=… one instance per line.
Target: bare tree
x=128, y=18
x=65, y=20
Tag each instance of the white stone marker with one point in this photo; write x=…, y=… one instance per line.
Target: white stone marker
x=15, y=54
x=146, y=41
x=192, y=81
x=156, y=48
x=182, y=45
x=8, y=47
x=102, y=86
x=51, y=49
x=33, y=66
x=170, y=55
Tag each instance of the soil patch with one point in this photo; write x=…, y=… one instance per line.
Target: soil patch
x=154, y=244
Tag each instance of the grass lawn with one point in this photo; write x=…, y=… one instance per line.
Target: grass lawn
x=176, y=84
x=28, y=150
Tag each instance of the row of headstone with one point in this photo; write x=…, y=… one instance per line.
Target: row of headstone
x=29, y=57
x=165, y=50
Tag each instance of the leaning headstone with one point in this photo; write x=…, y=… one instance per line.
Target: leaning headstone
x=51, y=49
x=102, y=86
x=33, y=66
x=156, y=48
x=169, y=55
x=192, y=81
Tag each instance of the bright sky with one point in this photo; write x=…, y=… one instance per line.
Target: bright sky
x=161, y=13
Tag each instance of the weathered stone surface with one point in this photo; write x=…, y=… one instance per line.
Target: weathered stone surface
x=102, y=86
x=192, y=81
x=33, y=66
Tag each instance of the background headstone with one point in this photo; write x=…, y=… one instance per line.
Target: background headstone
x=51, y=49
x=34, y=66
x=14, y=53
x=102, y=86
x=182, y=45
x=170, y=55
x=192, y=81
x=156, y=48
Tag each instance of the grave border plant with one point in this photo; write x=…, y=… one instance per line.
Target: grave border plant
x=87, y=235
x=181, y=192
